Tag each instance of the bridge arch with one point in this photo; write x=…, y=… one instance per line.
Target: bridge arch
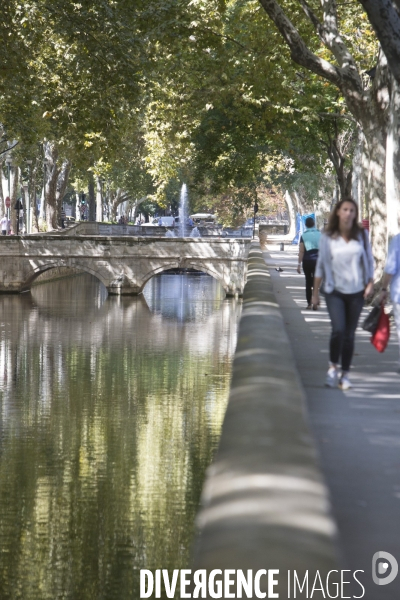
x=56, y=264
x=186, y=265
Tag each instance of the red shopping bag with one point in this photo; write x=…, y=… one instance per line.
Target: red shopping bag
x=382, y=334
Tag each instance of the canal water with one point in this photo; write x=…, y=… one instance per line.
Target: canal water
x=111, y=410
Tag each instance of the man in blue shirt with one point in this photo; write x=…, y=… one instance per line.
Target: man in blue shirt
x=308, y=254
x=392, y=276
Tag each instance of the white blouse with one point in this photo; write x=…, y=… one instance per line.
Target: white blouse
x=347, y=266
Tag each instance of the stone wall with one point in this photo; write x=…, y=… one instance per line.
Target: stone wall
x=264, y=502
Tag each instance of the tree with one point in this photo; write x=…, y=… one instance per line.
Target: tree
x=228, y=98
x=369, y=104
x=79, y=67
x=146, y=95
x=385, y=19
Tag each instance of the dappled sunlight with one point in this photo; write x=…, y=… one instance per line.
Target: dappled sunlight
x=267, y=499
x=253, y=312
x=247, y=481
x=320, y=319
x=281, y=511
x=259, y=303
x=357, y=430
x=255, y=352
x=378, y=380
x=295, y=287
x=257, y=273
x=276, y=387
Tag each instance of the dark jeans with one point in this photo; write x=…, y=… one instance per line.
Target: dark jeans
x=344, y=311
x=309, y=270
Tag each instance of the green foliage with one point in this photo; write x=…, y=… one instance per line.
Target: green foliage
x=149, y=94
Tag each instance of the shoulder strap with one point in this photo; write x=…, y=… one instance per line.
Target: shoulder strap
x=364, y=235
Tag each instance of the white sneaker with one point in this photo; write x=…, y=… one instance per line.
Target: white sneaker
x=331, y=379
x=344, y=383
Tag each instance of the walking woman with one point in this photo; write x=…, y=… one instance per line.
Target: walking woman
x=346, y=266
x=308, y=254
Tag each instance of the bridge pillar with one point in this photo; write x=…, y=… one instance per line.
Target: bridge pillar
x=123, y=286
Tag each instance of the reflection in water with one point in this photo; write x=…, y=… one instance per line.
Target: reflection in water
x=184, y=298
x=111, y=409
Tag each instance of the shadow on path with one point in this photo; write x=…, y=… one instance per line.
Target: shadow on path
x=357, y=432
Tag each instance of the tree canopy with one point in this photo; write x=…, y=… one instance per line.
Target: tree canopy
x=230, y=96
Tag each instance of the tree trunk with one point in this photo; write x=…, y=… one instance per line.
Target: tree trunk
x=357, y=180
x=368, y=103
x=50, y=196
x=292, y=214
x=136, y=207
x=35, y=221
x=25, y=204
x=77, y=207
x=385, y=20
x=2, y=206
x=365, y=179
x=376, y=198
x=116, y=201
x=392, y=162
x=99, y=200
x=14, y=177
x=62, y=183
x=92, y=199
x=42, y=210
x=336, y=150
x=299, y=202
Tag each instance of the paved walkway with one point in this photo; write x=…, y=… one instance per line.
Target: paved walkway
x=357, y=432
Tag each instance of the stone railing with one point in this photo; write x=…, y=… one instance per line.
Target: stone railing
x=264, y=502
x=94, y=228
x=123, y=264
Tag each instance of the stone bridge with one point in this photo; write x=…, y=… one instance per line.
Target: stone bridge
x=122, y=264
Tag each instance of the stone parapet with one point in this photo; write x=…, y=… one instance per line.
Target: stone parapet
x=264, y=503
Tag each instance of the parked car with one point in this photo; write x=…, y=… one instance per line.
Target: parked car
x=167, y=221
x=249, y=224
x=203, y=219
x=69, y=220
x=152, y=223
x=162, y=222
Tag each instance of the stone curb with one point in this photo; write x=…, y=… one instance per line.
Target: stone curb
x=264, y=502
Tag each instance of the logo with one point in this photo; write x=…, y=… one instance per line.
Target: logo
x=384, y=564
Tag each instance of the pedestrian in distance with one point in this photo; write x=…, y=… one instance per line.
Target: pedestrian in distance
x=345, y=265
x=391, y=276
x=62, y=215
x=308, y=254
x=4, y=225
